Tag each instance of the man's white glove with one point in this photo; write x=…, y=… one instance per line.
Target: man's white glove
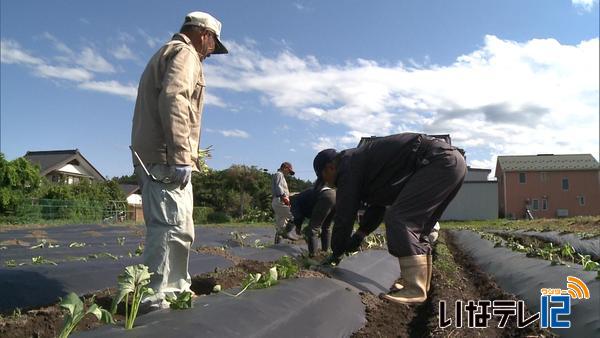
x=182, y=175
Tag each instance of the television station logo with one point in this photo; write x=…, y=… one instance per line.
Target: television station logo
x=555, y=307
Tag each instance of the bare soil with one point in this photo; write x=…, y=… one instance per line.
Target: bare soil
x=455, y=277
x=48, y=321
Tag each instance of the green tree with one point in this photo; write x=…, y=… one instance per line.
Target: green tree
x=19, y=180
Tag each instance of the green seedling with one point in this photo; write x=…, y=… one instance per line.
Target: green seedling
x=133, y=281
x=238, y=237
x=258, y=244
x=286, y=267
x=250, y=280
x=44, y=244
x=11, y=263
x=41, y=260
x=16, y=314
x=588, y=263
x=181, y=302
x=109, y=255
x=567, y=251
x=76, y=312
x=77, y=245
x=121, y=240
x=375, y=241
x=140, y=249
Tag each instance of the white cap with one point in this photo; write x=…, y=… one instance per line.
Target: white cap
x=207, y=21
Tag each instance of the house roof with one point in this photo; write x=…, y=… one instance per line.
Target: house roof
x=548, y=162
x=50, y=160
x=129, y=189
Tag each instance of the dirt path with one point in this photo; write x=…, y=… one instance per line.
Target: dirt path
x=454, y=278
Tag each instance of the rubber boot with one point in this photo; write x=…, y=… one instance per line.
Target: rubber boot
x=312, y=243
x=298, y=230
x=289, y=231
x=399, y=285
x=325, y=240
x=415, y=273
x=277, y=238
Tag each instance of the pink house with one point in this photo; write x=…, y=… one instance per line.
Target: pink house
x=548, y=185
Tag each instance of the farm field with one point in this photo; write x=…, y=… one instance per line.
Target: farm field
x=497, y=260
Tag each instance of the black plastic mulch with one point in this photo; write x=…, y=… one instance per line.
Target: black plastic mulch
x=524, y=276
x=589, y=246
x=40, y=285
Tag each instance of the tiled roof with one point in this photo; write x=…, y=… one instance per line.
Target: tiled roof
x=548, y=162
x=49, y=159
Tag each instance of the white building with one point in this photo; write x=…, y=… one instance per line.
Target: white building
x=64, y=166
x=477, y=199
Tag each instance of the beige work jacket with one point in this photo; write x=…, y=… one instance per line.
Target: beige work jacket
x=168, y=109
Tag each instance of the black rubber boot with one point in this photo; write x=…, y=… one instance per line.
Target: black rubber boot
x=277, y=239
x=325, y=240
x=299, y=229
x=312, y=244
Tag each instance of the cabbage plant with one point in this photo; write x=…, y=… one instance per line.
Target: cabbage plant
x=76, y=312
x=134, y=281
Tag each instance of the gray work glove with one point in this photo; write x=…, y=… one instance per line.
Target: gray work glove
x=182, y=175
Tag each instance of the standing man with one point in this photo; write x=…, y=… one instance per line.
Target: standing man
x=281, y=203
x=165, y=139
x=406, y=179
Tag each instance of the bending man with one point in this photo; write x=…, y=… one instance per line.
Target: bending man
x=408, y=180
x=317, y=204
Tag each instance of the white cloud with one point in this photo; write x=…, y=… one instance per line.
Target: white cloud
x=586, y=5
x=507, y=97
x=123, y=52
x=234, y=133
x=152, y=42
x=210, y=99
x=91, y=60
x=59, y=45
x=11, y=52
x=80, y=71
x=63, y=73
x=111, y=87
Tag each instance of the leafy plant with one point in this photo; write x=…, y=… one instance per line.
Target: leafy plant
x=76, y=312
x=77, y=245
x=16, y=314
x=250, y=280
x=11, y=263
x=286, y=267
x=588, y=263
x=182, y=301
x=375, y=240
x=258, y=244
x=133, y=281
x=44, y=244
x=238, y=237
x=567, y=251
x=121, y=240
x=41, y=260
x=139, y=250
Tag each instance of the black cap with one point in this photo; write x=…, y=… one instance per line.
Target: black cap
x=321, y=160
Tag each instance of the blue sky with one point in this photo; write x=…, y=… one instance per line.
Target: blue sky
x=502, y=77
